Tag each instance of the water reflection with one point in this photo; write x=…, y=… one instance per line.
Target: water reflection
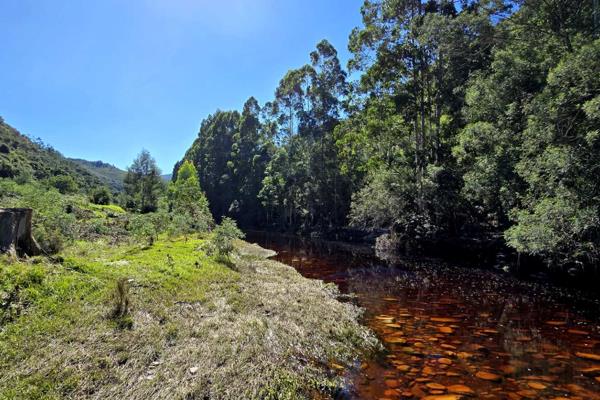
x=455, y=332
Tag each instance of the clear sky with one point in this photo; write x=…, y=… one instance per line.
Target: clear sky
x=102, y=79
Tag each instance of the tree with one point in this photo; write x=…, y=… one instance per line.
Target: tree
x=188, y=203
x=559, y=217
x=143, y=183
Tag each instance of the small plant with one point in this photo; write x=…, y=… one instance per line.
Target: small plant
x=121, y=312
x=224, y=235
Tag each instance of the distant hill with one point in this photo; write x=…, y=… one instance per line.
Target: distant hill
x=167, y=177
x=108, y=173
x=21, y=155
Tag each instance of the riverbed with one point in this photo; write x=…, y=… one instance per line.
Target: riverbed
x=454, y=332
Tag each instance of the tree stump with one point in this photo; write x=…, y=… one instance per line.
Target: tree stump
x=15, y=232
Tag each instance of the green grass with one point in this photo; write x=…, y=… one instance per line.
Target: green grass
x=54, y=304
x=253, y=328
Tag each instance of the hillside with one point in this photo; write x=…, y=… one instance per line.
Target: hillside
x=20, y=156
x=108, y=173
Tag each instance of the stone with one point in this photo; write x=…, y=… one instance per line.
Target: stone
x=435, y=386
x=488, y=376
x=536, y=385
x=460, y=389
x=588, y=356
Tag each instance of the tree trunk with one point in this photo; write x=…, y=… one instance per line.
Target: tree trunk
x=15, y=232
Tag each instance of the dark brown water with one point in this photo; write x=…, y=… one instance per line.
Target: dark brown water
x=453, y=332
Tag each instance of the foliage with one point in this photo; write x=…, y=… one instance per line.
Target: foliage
x=21, y=156
x=188, y=204
x=111, y=176
x=224, y=235
x=100, y=195
x=65, y=184
x=52, y=225
x=143, y=184
x=479, y=118
x=147, y=227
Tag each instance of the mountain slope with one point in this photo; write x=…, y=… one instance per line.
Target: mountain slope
x=108, y=173
x=21, y=156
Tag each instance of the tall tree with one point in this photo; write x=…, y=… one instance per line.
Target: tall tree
x=143, y=183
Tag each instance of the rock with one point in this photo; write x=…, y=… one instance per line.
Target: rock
x=395, y=340
x=536, y=385
x=461, y=389
x=528, y=394
x=556, y=323
x=488, y=376
x=435, y=386
x=443, y=397
x=445, y=361
x=588, y=356
x=577, y=332
x=443, y=319
x=445, y=329
x=193, y=370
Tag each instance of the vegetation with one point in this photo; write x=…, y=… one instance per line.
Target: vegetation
x=25, y=159
x=473, y=118
x=143, y=184
x=112, y=176
x=135, y=322
x=128, y=308
x=224, y=236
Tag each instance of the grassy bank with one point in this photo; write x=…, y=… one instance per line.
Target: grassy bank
x=180, y=325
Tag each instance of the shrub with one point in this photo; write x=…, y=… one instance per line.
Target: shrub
x=100, y=196
x=225, y=234
x=147, y=227
x=65, y=184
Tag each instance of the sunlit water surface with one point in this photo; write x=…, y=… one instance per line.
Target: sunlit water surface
x=453, y=332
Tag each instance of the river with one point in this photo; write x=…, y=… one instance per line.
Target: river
x=453, y=332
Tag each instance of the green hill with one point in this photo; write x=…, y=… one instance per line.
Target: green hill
x=108, y=173
x=21, y=156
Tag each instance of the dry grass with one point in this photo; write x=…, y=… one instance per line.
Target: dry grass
x=200, y=329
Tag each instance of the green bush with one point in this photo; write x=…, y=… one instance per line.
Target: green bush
x=100, y=196
x=147, y=227
x=65, y=184
x=224, y=235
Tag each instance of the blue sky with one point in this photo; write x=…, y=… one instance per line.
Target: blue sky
x=102, y=79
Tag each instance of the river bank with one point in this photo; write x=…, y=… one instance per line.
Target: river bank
x=195, y=326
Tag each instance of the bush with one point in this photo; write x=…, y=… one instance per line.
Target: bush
x=224, y=235
x=147, y=227
x=100, y=196
x=65, y=184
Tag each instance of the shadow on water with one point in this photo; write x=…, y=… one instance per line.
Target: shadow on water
x=454, y=331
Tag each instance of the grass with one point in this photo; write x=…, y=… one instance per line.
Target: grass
x=189, y=326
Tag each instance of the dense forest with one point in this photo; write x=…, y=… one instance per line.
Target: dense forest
x=453, y=119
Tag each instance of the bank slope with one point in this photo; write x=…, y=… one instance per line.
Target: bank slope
x=199, y=327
